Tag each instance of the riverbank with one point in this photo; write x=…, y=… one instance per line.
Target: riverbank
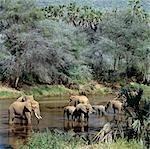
x=53, y=90
x=91, y=88
x=68, y=141
x=8, y=92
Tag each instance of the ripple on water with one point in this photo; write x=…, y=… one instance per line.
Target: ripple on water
x=52, y=113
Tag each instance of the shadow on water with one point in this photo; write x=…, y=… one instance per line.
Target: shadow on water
x=76, y=126
x=52, y=112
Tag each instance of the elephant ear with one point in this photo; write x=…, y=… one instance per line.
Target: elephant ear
x=71, y=98
x=34, y=104
x=74, y=97
x=28, y=107
x=89, y=108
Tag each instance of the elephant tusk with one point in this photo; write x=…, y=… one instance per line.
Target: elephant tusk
x=38, y=117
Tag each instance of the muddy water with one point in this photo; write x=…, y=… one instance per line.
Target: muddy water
x=52, y=113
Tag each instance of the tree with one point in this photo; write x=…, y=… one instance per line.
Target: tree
x=122, y=38
x=41, y=51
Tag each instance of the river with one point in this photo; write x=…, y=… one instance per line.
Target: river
x=52, y=113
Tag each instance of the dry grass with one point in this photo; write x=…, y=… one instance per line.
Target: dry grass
x=7, y=92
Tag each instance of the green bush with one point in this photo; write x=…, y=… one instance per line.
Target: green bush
x=54, y=140
x=48, y=90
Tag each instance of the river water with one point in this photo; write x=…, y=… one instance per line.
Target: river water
x=52, y=113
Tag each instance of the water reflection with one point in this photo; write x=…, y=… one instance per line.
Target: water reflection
x=76, y=126
x=52, y=113
x=19, y=133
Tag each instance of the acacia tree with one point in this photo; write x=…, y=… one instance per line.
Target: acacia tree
x=122, y=39
x=41, y=51
x=16, y=16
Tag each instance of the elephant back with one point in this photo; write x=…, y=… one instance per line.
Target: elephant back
x=21, y=99
x=116, y=102
x=30, y=97
x=86, y=108
x=83, y=99
x=69, y=109
x=78, y=99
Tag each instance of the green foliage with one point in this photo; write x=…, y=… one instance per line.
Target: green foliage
x=48, y=91
x=120, y=143
x=52, y=140
x=41, y=50
x=120, y=45
x=103, y=90
x=59, y=44
x=145, y=88
x=55, y=140
x=99, y=4
x=80, y=73
x=83, y=16
x=8, y=94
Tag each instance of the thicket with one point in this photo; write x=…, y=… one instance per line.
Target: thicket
x=56, y=139
x=68, y=44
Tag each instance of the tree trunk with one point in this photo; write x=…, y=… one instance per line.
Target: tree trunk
x=16, y=82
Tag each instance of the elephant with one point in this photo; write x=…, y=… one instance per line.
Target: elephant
x=82, y=111
x=25, y=98
x=22, y=99
x=23, y=110
x=115, y=105
x=99, y=109
x=69, y=111
x=75, y=100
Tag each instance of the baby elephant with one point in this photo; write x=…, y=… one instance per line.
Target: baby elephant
x=99, y=109
x=68, y=110
x=82, y=111
x=115, y=105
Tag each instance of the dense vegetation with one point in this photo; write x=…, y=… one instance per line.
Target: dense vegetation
x=70, y=44
x=58, y=140
x=102, y=4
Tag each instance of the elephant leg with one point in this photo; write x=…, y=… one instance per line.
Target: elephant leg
x=119, y=110
x=68, y=115
x=75, y=103
x=28, y=117
x=114, y=109
x=72, y=117
x=21, y=121
x=87, y=116
x=82, y=116
x=11, y=117
x=65, y=114
x=102, y=113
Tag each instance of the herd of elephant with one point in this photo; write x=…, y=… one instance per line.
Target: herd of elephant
x=78, y=108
